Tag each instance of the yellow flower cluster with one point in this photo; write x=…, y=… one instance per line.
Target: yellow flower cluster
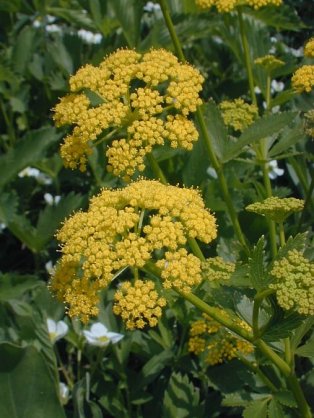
x=295, y=283
x=269, y=62
x=275, y=208
x=303, y=79
x=136, y=101
x=217, y=269
x=125, y=227
x=216, y=342
x=309, y=123
x=138, y=304
x=238, y=114
x=309, y=48
x=226, y=6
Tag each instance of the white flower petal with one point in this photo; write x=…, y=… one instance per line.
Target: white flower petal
x=98, y=329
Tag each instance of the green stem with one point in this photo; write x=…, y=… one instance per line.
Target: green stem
x=271, y=224
x=196, y=249
x=304, y=409
x=282, y=237
x=255, y=369
x=308, y=202
x=175, y=40
x=258, y=300
x=222, y=180
x=268, y=96
x=300, y=173
x=246, y=53
x=156, y=168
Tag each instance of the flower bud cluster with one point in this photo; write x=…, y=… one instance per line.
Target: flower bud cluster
x=137, y=101
x=303, y=79
x=128, y=227
x=275, y=208
x=269, y=62
x=217, y=269
x=138, y=304
x=309, y=48
x=226, y=6
x=294, y=285
x=216, y=342
x=238, y=114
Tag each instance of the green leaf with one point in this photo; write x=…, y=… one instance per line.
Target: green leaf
x=74, y=17
x=283, y=97
x=275, y=410
x=283, y=17
x=293, y=243
x=306, y=350
x=12, y=286
x=129, y=13
x=256, y=409
x=216, y=129
x=194, y=170
x=27, y=151
x=261, y=128
x=256, y=265
x=181, y=399
x=26, y=386
x=288, y=138
x=300, y=332
x=286, y=398
x=154, y=366
x=10, y=6
x=234, y=400
x=283, y=326
x=23, y=49
x=60, y=55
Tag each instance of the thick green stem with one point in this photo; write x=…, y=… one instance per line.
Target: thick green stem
x=156, y=168
x=196, y=249
x=268, y=96
x=304, y=409
x=271, y=224
x=282, y=238
x=246, y=53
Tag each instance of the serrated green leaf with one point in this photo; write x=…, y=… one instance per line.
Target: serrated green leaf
x=256, y=265
x=293, y=243
x=275, y=410
x=154, y=366
x=181, y=399
x=12, y=286
x=27, y=151
x=261, y=128
x=300, y=332
x=283, y=326
x=286, y=398
x=234, y=400
x=306, y=350
x=256, y=409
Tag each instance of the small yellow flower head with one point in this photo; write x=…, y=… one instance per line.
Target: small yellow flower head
x=295, y=283
x=216, y=342
x=238, y=114
x=309, y=48
x=269, y=62
x=309, y=123
x=138, y=304
x=216, y=269
x=226, y=6
x=125, y=227
x=275, y=208
x=303, y=79
x=135, y=101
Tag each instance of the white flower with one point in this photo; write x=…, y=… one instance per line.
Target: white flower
x=257, y=90
x=277, y=86
x=64, y=393
x=274, y=170
x=100, y=336
x=51, y=200
x=2, y=227
x=53, y=28
x=37, y=174
x=151, y=7
x=56, y=330
x=89, y=37
x=50, y=268
x=212, y=172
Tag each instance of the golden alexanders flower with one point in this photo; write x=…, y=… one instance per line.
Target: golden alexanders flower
x=216, y=269
x=309, y=48
x=303, y=79
x=275, y=208
x=215, y=342
x=294, y=284
x=138, y=304
x=127, y=228
x=226, y=6
x=238, y=114
x=269, y=62
x=309, y=123
x=133, y=102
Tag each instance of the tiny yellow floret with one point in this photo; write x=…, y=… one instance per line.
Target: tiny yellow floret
x=303, y=79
